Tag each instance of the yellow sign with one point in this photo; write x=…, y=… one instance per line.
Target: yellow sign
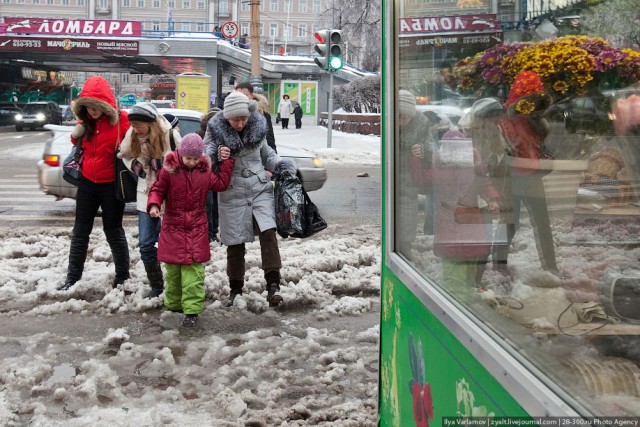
x=192, y=91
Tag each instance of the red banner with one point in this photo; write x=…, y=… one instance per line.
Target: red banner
x=450, y=24
x=39, y=44
x=71, y=27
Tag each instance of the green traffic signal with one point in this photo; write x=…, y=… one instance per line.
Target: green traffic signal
x=335, y=62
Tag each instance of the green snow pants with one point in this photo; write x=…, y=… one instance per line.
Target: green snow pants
x=184, y=288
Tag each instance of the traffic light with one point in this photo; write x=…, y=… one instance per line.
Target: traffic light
x=330, y=49
x=322, y=48
x=335, y=50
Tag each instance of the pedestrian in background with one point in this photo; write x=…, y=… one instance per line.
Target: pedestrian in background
x=183, y=183
x=212, y=196
x=100, y=127
x=297, y=114
x=247, y=208
x=285, y=109
x=143, y=149
x=263, y=108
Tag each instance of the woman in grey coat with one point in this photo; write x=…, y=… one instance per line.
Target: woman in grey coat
x=247, y=207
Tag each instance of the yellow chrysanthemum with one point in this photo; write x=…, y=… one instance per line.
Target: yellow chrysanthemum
x=525, y=107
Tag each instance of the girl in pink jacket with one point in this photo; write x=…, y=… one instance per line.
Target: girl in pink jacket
x=183, y=183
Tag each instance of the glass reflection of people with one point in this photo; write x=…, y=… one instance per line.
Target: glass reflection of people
x=491, y=173
x=524, y=129
x=415, y=152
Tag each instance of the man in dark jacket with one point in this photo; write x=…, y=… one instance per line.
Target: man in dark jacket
x=263, y=108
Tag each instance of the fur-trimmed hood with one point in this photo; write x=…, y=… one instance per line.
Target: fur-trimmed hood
x=173, y=163
x=222, y=134
x=97, y=92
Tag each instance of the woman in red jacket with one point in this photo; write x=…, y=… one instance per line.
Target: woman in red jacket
x=183, y=182
x=101, y=126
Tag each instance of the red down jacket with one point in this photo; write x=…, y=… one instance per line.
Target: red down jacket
x=184, y=236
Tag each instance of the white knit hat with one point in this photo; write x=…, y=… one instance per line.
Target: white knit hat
x=236, y=104
x=407, y=103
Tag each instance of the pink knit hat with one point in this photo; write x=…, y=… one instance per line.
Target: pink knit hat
x=192, y=145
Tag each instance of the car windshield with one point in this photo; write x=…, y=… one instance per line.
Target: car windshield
x=33, y=108
x=188, y=125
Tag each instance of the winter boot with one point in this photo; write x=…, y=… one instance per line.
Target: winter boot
x=236, y=289
x=154, y=274
x=77, y=254
x=190, y=321
x=273, y=286
x=120, y=250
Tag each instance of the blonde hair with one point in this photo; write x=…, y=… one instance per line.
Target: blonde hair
x=155, y=138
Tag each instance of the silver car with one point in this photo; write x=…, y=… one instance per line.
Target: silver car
x=58, y=146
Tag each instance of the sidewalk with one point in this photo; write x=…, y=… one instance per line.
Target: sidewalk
x=346, y=148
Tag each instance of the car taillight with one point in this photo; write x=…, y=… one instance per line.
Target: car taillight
x=52, y=160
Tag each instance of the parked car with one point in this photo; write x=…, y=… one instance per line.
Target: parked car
x=590, y=114
x=37, y=114
x=68, y=117
x=58, y=146
x=8, y=115
x=164, y=103
x=442, y=117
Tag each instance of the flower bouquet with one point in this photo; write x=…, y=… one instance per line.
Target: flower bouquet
x=569, y=65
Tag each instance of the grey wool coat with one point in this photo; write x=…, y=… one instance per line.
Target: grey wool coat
x=250, y=193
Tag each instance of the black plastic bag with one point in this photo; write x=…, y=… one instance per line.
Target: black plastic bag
x=296, y=214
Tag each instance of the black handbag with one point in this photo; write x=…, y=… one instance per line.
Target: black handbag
x=126, y=181
x=72, y=165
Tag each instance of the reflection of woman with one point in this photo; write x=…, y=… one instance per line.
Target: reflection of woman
x=524, y=129
x=415, y=154
x=102, y=126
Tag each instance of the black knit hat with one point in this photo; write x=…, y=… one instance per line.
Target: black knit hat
x=172, y=119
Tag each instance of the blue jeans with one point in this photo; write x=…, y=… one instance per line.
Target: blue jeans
x=149, y=231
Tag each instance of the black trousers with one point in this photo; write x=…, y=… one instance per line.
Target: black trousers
x=285, y=123
x=89, y=199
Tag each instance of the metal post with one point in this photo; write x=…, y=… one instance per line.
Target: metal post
x=256, y=77
x=330, y=112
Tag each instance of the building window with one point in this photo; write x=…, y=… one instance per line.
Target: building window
x=262, y=2
x=124, y=78
x=244, y=27
x=140, y=3
x=200, y=5
x=287, y=6
x=139, y=78
x=244, y=6
x=19, y=1
x=125, y=3
x=287, y=32
x=224, y=7
x=64, y=2
x=273, y=30
x=155, y=25
x=49, y=2
x=316, y=6
x=186, y=4
x=36, y=1
x=186, y=27
x=171, y=4
x=273, y=7
x=200, y=27
x=302, y=6
x=155, y=4
x=302, y=30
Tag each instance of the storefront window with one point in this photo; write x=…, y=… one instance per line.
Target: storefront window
x=516, y=170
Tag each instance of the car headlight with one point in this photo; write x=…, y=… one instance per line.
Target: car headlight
x=317, y=163
x=40, y=117
x=18, y=117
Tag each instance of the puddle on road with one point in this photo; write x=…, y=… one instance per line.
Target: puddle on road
x=62, y=372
